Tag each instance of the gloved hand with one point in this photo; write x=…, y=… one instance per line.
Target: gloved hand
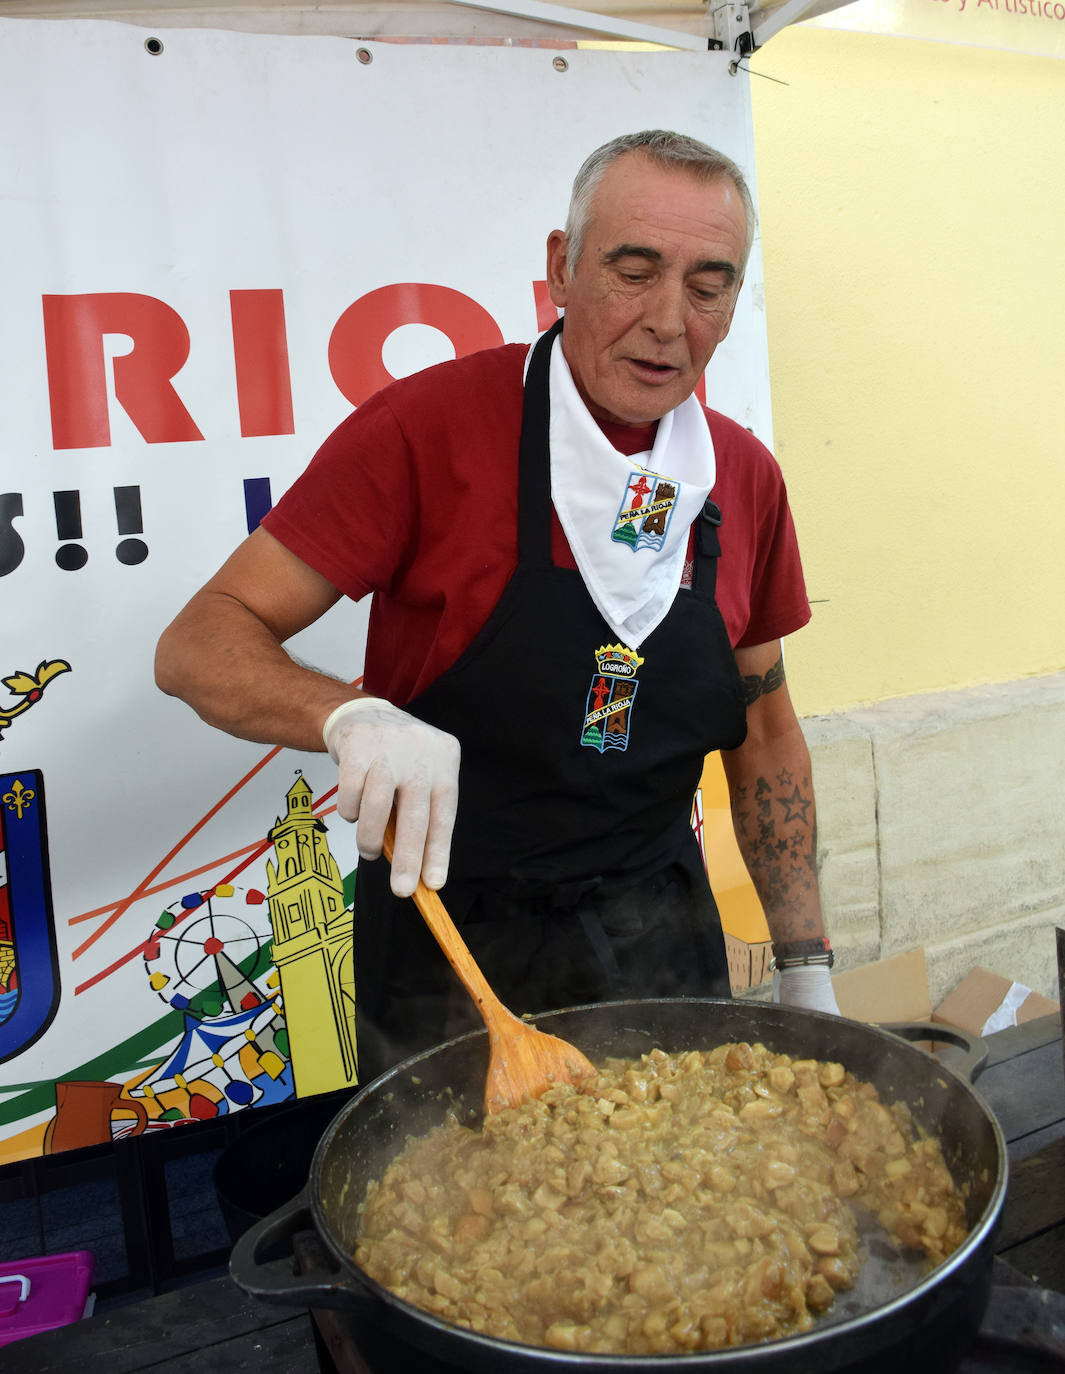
x=808, y=986
x=387, y=757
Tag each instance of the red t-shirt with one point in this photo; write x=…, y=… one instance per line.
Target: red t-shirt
x=414, y=498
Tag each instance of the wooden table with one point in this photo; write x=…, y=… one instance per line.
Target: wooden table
x=214, y=1328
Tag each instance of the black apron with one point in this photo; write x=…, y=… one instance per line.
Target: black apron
x=575, y=874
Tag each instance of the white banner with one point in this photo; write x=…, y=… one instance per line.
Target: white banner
x=214, y=245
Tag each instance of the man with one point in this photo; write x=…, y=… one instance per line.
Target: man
x=548, y=607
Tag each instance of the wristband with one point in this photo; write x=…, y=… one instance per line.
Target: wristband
x=801, y=953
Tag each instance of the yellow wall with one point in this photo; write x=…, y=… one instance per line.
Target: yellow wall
x=912, y=202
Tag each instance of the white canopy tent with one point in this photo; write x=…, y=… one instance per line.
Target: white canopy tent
x=694, y=25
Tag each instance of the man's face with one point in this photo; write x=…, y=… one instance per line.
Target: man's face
x=653, y=292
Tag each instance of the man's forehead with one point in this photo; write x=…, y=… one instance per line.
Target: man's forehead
x=639, y=200
x=636, y=168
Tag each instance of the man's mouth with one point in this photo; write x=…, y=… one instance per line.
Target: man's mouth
x=653, y=369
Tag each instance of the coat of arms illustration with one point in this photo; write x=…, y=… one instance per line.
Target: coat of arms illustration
x=646, y=509
x=608, y=708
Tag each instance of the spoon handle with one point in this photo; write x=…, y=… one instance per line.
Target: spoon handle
x=436, y=917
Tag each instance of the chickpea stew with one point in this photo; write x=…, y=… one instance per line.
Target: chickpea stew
x=670, y=1204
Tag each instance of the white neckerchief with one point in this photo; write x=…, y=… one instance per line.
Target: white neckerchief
x=591, y=487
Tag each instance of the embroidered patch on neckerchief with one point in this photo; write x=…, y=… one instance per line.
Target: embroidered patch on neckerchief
x=608, y=708
x=646, y=510
x=590, y=491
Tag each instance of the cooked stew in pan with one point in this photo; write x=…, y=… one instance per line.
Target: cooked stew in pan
x=672, y=1203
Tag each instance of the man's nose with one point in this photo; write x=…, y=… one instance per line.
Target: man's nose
x=665, y=310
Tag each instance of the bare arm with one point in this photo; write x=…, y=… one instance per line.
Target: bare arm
x=223, y=654
x=772, y=798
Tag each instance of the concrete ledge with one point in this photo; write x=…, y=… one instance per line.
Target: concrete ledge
x=848, y=857
x=941, y=822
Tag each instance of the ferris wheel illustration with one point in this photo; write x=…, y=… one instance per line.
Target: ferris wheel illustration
x=207, y=949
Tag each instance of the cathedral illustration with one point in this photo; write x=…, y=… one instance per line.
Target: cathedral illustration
x=312, y=948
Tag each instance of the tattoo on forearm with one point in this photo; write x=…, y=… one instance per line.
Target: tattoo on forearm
x=755, y=686
x=777, y=833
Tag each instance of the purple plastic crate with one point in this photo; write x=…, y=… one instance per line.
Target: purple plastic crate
x=43, y=1293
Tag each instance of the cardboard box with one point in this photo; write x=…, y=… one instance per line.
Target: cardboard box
x=985, y=1002
x=894, y=989
x=889, y=990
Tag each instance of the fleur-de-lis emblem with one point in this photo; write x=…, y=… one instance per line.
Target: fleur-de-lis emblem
x=19, y=798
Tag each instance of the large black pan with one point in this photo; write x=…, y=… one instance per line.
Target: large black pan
x=897, y=1313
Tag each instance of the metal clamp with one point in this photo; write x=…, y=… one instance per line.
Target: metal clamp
x=732, y=28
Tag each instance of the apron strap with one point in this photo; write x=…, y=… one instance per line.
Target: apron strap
x=603, y=949
x=534, y=473
x=707, y=550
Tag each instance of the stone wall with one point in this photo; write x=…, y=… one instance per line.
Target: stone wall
x=941, y=823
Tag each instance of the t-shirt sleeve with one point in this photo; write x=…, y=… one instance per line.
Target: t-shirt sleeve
x=348, y=515
x=779, y=603
x=761, y=588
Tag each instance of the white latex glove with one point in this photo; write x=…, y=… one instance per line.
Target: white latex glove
x=388, y=758
x=808, y=986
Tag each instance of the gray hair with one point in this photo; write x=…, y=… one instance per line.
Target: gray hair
x=666, y=149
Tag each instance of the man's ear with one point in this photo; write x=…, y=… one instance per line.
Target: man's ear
x=557, y=268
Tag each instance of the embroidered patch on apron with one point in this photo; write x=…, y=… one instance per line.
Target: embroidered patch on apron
x=646, y=510
x=608, y=709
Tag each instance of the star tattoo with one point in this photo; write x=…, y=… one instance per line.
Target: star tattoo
x=796, y=806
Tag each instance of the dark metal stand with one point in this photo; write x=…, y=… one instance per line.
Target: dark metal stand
x=137, y=1169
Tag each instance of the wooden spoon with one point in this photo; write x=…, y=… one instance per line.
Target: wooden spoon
x=522, y=1062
